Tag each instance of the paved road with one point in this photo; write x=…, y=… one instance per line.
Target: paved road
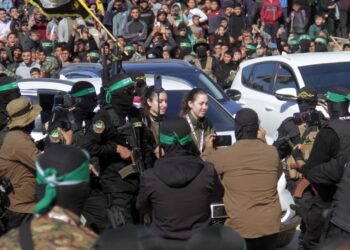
x=293, y=245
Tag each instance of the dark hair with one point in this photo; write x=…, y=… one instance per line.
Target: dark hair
x=11, y=33
x=2, y=9
x=149, y=93
x=190, y=97
x=34, y=70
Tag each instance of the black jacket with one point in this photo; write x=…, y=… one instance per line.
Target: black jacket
x=178, y=190
x=102, y=140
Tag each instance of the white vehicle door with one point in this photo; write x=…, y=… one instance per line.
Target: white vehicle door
x=256, y=86
x=260, y=86
x=275, y=110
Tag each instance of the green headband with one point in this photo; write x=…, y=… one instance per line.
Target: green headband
x=84, y=92
x=94, y=54
x=305, y=37
x=249, y=46
x=47, y=44
x=334, y=97
x=170, y=139
x=321, y=40
x=130, y=48
x=9, y=86
x=118, y=85
x=50, y=178
x=293, y=42
x=185, y=44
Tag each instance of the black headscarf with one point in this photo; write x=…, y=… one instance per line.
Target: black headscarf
x=307, y=99
x=177, y=128
x=338, y=109
x=85, y=104
x=246, y=124
x=65, y=159
x=122, y=99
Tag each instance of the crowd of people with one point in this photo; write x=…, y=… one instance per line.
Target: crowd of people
x=213, y=35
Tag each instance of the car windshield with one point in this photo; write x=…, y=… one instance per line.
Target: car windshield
x=323, y=77
x=221, y=120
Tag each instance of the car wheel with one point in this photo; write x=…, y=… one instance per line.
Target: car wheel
x=285, y=237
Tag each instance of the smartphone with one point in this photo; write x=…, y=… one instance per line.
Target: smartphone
x=158, y=83
x=222, y=140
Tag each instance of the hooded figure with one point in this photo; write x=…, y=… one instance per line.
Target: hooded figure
x=178, y=175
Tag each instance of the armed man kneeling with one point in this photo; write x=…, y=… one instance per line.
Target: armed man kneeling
x=250, y=171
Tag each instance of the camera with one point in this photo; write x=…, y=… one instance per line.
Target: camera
x=312, y=117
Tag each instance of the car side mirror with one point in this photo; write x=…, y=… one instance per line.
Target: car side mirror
x=234, y=94
x=286, y=94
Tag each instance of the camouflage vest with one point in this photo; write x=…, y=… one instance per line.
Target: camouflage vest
x=308, y=139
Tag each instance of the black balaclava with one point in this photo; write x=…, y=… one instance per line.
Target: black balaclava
x=8, y=92
x=216, y=237
x=29, y=128
x=65, y=159
x=338, y=106
x=307, y=99
x=246, y=124
x=304, y=45
x=179, y=130
x=122, y=97
x=84, y=98
x=201, y=51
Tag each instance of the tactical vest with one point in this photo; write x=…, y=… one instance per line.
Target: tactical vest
x=3, y=132
x=208, y=66
x=341, y=199
x=308, y=139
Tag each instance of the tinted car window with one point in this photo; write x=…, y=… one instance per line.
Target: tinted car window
x=263, y=77
x=284, y=78
x=323, y=77
x=220, y=119
x=246, y=73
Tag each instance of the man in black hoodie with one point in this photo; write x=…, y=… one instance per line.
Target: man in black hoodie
x=180, y=187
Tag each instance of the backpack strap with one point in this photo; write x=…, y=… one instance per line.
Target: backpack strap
x=25, y=236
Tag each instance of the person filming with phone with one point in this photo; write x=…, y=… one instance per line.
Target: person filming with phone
x=249, y=171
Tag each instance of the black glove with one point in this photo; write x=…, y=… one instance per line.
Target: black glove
x=297, y=155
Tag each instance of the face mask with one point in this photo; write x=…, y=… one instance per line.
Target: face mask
x=87, y=104
x=122, y=102
x=202, y=52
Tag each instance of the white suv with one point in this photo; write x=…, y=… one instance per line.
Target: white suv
x=269, y=84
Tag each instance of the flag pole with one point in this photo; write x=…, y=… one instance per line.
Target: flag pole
x=97, y=20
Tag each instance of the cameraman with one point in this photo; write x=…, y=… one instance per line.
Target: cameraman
x=331, y=143
x=299, y=132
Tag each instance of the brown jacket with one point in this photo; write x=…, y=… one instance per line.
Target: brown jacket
x=17, y=162
x=250, y=170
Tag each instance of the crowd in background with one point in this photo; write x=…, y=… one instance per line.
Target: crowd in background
x=34, y=45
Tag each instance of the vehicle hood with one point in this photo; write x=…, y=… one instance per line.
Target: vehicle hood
x=178, y=171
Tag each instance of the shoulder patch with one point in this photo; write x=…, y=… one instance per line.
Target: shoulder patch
x=99, y=126
x=137, y=124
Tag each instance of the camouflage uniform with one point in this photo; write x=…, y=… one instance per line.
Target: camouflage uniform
x=48, y=233
x=8, y=72
x=51, y=66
